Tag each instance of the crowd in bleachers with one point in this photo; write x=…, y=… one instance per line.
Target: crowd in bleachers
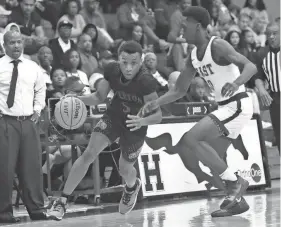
x=78, y=38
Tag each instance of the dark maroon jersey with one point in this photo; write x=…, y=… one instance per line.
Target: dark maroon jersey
x=128, y=96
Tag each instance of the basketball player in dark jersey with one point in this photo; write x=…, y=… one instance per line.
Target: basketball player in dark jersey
x=133, y=86
x=218, y=63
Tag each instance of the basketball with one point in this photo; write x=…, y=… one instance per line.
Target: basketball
x=70, y=113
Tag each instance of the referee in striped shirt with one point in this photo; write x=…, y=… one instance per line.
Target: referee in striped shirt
x=269, y=69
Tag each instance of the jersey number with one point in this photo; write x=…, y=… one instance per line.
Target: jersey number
x=126, y=108
x=211, y=86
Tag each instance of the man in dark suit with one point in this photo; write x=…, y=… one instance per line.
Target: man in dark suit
x=61, y=44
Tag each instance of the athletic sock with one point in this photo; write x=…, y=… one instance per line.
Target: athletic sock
x=132, y=188
x=228, y=175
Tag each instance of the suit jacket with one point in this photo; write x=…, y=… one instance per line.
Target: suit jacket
x=58, y=52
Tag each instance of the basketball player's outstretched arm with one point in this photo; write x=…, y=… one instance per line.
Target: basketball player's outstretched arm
x=135, y=122
x=179, y=90
x=224, y=50
x=99, y=96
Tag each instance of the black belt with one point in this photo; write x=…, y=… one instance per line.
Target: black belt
x=234, y=98
x=18, y=118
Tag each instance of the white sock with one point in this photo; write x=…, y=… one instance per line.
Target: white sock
x=228, y=175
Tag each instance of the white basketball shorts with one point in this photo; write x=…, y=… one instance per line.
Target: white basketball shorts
x=233, y=114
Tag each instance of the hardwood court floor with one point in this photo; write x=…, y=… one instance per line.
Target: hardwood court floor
x=264, y=211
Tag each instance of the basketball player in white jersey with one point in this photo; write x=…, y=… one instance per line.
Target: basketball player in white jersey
x=217, y=62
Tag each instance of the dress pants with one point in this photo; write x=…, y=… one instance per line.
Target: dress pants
x=20, y=152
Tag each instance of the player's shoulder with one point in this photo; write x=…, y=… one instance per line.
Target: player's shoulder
x=220, y=44
x=145, y=76
x=146, y=82
x=111, y=69
x=30, y=63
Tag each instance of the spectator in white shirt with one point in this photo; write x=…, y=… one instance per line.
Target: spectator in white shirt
x=61, y=44
x=22, y=97
x=150, y=62
x=72, y=65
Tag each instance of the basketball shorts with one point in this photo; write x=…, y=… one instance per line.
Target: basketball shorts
x=233, y=114
x=130, y=143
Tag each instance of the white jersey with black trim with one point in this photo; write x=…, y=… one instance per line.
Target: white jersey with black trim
x=215, y=75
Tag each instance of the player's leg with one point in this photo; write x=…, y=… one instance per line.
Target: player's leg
x=204, y=131
x=102, y=136
x=130, y=147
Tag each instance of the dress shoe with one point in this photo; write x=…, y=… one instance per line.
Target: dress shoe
x=8, y=218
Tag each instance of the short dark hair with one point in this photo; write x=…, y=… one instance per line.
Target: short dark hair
x=199, y=14
x=53, y=70
x=130, y=47
x=66, y=60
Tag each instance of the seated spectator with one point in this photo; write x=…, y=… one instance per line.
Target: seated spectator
x=178, y=51
x=61, y=44
x=45, y=58
x=88, y=60
x=244, y=21
x=72, y=66
x=197, y=91
x=11, y=4
x=234, y=38
x=93, y=32
x=48, y=11
x=30, y=25
x=255, y=9
x=3, y=23
x=13, y=27
x=58, y=77
x=129, y=13
x=259, y=28
x=150, y=62
x=137, y=35
x=71, y=10
x=132, y=12
x=91, y=14
x=234, y=12
x=163, y=12
x=248, y=43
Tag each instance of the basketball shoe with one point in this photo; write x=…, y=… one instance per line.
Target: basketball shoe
x=235, y=190
x=58, y=210
x=236, y=208
x=129, y=199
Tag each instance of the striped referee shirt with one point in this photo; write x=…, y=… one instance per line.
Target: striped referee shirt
x=269, y=68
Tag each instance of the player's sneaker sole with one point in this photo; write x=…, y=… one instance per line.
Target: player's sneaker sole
x=237, y=208
x=135, y=200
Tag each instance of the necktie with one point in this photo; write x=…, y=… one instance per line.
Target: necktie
x=11, y=95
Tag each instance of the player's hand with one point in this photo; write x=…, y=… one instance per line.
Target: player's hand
x=229, y=89
x=148, y=108
x=35, y=117
x=134, y=122
x=265, y=98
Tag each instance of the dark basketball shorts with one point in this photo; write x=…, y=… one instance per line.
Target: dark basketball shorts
x=130, y=143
